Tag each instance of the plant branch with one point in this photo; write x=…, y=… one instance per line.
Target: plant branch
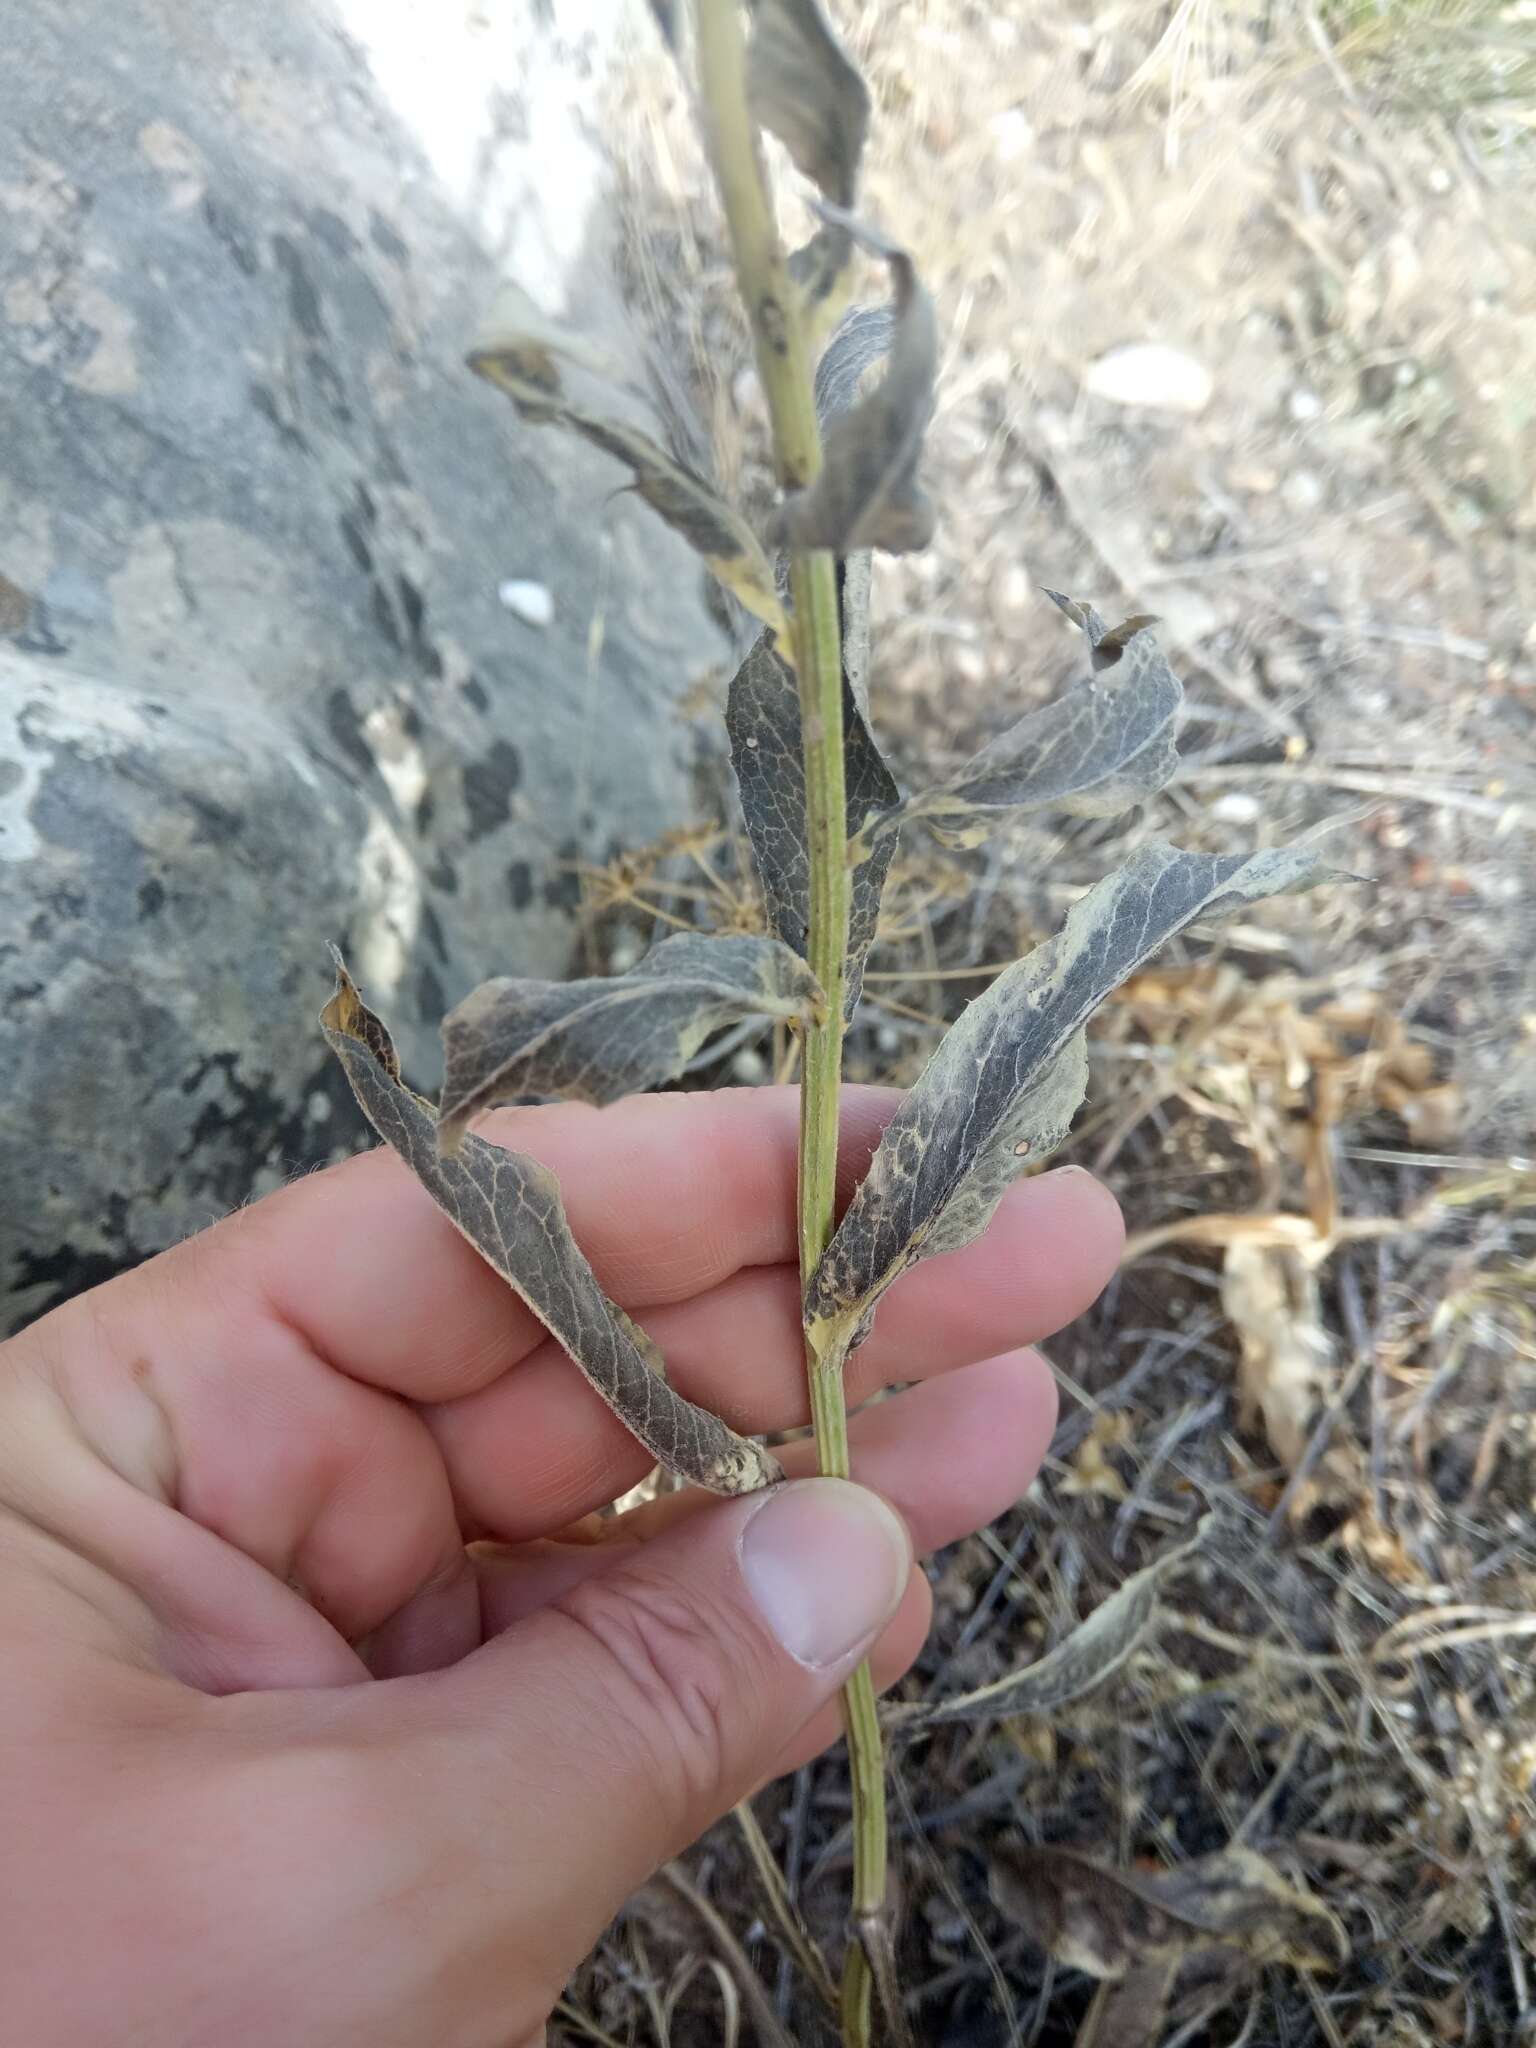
x=785, y=369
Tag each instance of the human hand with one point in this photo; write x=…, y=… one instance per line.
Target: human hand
x=317, y=1726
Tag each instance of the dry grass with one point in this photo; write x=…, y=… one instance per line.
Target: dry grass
x=1320, y=1125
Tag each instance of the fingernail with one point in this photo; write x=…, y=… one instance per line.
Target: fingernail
x=827, y=1563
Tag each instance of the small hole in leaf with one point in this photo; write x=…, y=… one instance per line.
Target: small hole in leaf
x=1021, y=1149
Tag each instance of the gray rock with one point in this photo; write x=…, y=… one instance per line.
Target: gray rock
x=257, y=688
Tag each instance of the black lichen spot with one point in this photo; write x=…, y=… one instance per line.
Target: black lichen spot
x=303, y=299
x=326, y=378
x=39, y=637
x=367, y=511
x=23, y=992
x=488, y=787
x=414, y=606
x=151, y=897
x=520, y=884
x=384, y=617
x=228, y=232
x=443, y=875
x=262, y=399
x=475, y=692
x=357, y=546
x=346, y=729
x=217, y=824
x=430, y=998
x=426, y=812
x=333, y=231
x=432, y=925
x=410, y=722
x=385, y=240
x=563, y=889
x=67, y=903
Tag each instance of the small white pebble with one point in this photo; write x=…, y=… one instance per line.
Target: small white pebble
x=1303, y=404
x=1011, y=133
x=1150, y=373
x=887, y=1038
x=623, y=953
x=1302, y=490
x=533, y=603
x=1236, y=808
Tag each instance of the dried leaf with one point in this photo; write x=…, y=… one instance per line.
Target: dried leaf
x=762, y=717
x=599, y=1039
x=1107, y=744
x=527, y=355
x=1111, y=1922
x=803, y=87
x=1130, y=2011
x=510, y=1210
x=1239, y=1896
x=867, y=494
x=1002, y=1088
x=1106, y=642
x=1270, y=1296
x=1094, y=1651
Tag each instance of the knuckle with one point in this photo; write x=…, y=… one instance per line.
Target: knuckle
x=667, y=1679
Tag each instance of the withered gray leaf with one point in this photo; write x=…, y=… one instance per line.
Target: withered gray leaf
x=1108, y=1922
x=1003, y=1086
x=1106, y=744
x=1081, y=1662
x=1107, y=642
x=804, y=87
x=527, y=355
x=599, y=1039
x=509, y=1208
x=867, y=494
x=1130, y=2011
x=762, y=718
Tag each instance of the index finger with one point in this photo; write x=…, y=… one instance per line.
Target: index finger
x=667, y=1195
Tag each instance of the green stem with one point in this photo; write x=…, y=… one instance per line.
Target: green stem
x=784, y=367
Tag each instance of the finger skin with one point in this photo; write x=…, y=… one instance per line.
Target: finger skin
x=539, y=1448
x=948, y=1455
x=191, y=1389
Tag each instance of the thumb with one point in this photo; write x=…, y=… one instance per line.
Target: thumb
x=643, y=1703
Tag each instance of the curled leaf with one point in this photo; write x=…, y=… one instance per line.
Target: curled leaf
x=1106, y=744
x=599, y=1039
x=1001, y=1090
x=527, y=355
x=762, y=718
x=1092, y=1653
x=1107, y=642
x=867, y=494
x=509, y=1209
x=1109, y=1922
x=804, y=88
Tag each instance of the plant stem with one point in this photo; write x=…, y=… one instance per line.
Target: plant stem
x=784, y=367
